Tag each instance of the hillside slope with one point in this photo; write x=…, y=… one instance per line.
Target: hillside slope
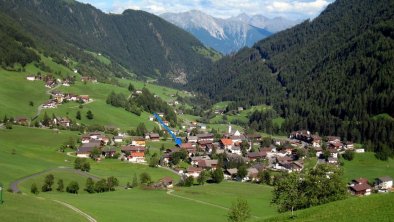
x=139, y=41
x=372, y=208
x=330, y=75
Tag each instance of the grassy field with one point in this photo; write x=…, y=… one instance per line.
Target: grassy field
x=25, y=151
x=19, y=207
x=372, y=208
x=366, y=165
x=258, y=196
x=16, y=93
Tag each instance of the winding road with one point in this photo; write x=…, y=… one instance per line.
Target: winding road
x=14, y=185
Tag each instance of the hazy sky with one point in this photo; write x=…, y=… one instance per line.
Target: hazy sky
x=293, y=9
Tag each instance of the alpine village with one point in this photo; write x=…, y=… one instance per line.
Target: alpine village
x=141, y=115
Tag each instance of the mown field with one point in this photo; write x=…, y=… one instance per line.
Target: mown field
x=38, y=151
x=366, y=165
x=377, y=207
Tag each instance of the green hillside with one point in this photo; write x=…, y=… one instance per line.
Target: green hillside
x=330, y=75
x=141, y=42
x=372, y=208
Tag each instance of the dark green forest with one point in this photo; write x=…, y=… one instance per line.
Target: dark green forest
x=333, y=75
x=141, y=42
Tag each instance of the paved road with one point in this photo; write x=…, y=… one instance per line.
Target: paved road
x=14, y=185
x=39, y=109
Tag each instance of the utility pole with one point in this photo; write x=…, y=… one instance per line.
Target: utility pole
x=1, y=193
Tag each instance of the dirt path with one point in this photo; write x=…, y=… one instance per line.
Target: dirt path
x=170, y=192
x=87, y=216
x=14, y=185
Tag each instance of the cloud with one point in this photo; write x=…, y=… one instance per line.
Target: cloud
x=294, y=9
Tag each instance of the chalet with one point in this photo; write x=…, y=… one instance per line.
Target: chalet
x=333, y=152
x=384, y=184
x=204, y=143
x=219, y=111
x=335, y=145
x=118, y=139
x=70, y=97
x=189, y=148
x=349, y=145
x=237, y=139
x=138, y=141
x=31, y=78
x=21, y=120
x=230, y=174
x=136, y=157
x=154, y=137
x=194, y=160
x=191, y=139
x=316, y=141
x=297, y=166
x=84, y=98
x=360, y=187
x=133, y=149
x=226, y=143
x=167, y=182
x=253, y=156
x=302, y=135
x=235, y=150
x=252, y=174
x=50, y=83
x=66, y=82
x=49, y=105
x=207, y=164
x=332, y=160
x=333, y=139
x=62, y=121
x=85, y=149
x=108, y=151
x=253, y=137
x=283, y=163
x=193, y=171
x=205, y=137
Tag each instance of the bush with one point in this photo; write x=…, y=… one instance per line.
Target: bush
x=34, y=189
x=189, y=181
x=217, y=175
x=145, y=178
x=348, y=155
x=73, y=187
x=101, y=186
x=89, y=185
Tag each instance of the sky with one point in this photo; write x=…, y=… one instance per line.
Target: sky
x=291, y=9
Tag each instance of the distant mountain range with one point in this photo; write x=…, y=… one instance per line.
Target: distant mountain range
x=227, y=35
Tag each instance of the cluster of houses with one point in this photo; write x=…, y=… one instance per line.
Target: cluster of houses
x=59, y=97
x=94, y=140
x=50, y=81
x=362, y=187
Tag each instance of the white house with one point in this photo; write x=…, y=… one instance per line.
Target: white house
x=137, y=157
x=193, y=171
x=384, y=183
x=31, y=78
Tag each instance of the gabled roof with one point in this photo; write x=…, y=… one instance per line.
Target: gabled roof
x=137, y=154
x=385, y=179
x=194, y=169
x=360, y=187
x=226, y=142
x=133, y=148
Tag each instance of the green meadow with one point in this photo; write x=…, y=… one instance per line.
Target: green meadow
x=366, y=165
x=377, y=207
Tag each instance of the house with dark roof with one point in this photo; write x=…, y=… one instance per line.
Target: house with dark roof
x=360, y=187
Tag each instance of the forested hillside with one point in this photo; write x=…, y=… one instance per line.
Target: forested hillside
x=332, y=75
x=141, y=42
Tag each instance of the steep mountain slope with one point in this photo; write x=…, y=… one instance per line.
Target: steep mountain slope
x=222, y=35
x=334, y=74
x=139, y=41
